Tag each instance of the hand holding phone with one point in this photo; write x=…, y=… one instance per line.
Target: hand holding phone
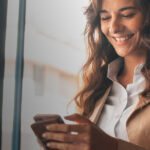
x=39, y=127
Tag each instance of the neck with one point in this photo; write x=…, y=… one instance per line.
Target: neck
x=130, y=62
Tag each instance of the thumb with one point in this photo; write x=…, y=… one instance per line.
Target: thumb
x=77, y=118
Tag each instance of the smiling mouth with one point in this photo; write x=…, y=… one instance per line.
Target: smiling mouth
x=123, y=38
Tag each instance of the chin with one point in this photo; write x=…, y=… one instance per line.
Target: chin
x=124, y=51
x=121, y=52
x=121, y=55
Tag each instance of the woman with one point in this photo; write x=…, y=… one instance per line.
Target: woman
x=114, y=101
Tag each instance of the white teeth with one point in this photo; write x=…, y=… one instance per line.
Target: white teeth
x=122, y=38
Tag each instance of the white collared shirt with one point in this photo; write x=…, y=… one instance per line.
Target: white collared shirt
x=120, y=101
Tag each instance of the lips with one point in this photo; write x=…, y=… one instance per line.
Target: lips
x=123, y=38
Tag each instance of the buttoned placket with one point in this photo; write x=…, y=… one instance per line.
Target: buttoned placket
x=128, y=102
x=120, y=107
x=120, y=102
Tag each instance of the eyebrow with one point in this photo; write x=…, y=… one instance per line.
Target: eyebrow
x=122, y=9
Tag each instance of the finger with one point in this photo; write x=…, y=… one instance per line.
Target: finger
x=77, y=118
x=67, y=138
x=68, y=146
x=66, y=128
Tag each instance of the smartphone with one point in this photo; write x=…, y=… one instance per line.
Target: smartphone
x=39, y=127
x=44, y=117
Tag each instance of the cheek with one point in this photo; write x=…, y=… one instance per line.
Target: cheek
x=136, y=25
x=104, y=29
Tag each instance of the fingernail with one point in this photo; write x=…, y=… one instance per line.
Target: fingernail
x=44, y=135
x=48, y=127
x=48, y=144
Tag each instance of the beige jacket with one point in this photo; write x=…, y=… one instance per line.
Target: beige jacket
x=138, y=124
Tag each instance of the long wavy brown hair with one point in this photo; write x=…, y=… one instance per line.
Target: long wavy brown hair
x=101, y=53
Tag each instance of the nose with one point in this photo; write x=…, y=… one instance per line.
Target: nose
x=115, y=25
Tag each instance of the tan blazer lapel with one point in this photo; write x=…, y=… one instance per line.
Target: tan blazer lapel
x=141, y=104
x=99, y=105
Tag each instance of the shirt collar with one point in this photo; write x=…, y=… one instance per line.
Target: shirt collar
x=114, y=67
x=138, y=68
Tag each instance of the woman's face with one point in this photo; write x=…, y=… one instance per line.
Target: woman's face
x=121, y=23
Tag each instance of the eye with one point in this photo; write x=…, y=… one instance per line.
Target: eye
x=105, y=18
x=128, y=15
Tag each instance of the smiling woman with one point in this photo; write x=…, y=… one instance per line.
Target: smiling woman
x=122, y=25
x=113, y=104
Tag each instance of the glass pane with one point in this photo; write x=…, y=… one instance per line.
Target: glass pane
x=54, y=53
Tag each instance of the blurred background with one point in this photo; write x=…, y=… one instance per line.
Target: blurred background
x=54, y=52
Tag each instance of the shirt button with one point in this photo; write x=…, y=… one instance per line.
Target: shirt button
x=137, y=69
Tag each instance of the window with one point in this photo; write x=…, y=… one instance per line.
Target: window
x=52, y=47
